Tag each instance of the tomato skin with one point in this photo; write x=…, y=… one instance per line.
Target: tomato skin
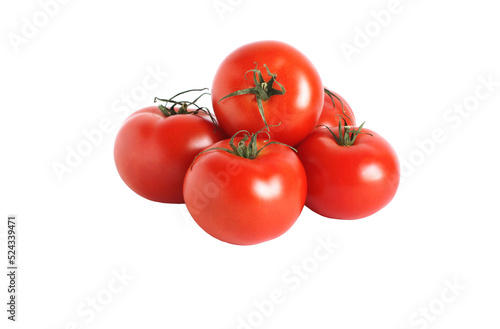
x=349, y=182
x=332, y=112
x=298, y=110
x=246, y=201
x=152, y=152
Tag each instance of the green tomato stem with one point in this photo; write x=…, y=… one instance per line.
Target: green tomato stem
x=263, y=90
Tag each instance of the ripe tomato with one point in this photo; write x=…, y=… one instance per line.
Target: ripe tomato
x=281, y=79
x=348, y=182
x=242, y=200
x=153, y=152
x=335, y=107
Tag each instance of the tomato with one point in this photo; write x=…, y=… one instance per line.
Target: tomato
x=335, y=107
x=352, y=181
x=271, y=83
x=152, y=151
x=245, y=201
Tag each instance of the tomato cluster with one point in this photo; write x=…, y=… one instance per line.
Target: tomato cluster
x=277, y=140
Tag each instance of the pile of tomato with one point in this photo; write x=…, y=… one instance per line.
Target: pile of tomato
x=276, y=140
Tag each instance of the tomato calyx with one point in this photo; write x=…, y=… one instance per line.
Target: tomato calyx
x=347, y=134
x=263, y=90
x=344, y=112
x=181, y=107
x=247, y=147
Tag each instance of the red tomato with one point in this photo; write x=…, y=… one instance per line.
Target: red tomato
x=333, y=111
x=246, y=201
x=153, y=152
x=296, y=111
x=348, y=182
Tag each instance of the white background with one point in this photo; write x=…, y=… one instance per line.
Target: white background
x=83, y=61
